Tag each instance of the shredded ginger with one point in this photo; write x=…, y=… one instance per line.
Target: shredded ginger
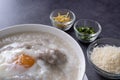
x=62, y=18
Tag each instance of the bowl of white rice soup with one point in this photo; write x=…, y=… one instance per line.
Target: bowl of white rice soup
x=39, y=52
x=104, y=56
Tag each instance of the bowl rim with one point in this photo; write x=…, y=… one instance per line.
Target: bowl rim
x=96, y=33
x=5, y=31
x=73, y=14
x=90, y=61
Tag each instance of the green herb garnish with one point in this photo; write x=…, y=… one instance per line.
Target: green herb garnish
x=86, y=30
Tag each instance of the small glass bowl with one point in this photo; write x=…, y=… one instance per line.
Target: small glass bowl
x=63, y=26
x=86, y=38
x=98, y=43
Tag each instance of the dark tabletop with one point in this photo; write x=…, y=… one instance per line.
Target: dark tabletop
x=106, y=12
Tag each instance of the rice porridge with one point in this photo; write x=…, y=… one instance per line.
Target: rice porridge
x=37, y=56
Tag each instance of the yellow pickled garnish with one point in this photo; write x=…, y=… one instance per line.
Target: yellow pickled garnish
x=61, y=26
x=62, y=18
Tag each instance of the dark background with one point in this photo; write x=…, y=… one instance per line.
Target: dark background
x=106, y=12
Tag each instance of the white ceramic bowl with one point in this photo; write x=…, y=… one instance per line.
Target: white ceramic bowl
x=55, y=31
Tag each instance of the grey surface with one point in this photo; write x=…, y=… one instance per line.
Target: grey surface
x=106, y=12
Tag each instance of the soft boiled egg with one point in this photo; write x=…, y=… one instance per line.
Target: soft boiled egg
x=18, y=62
x=15, y=60
x=24, y=60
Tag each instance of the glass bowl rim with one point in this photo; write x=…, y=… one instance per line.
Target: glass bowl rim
x=96, y=33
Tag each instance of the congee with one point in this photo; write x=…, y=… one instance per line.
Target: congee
x=37, y=56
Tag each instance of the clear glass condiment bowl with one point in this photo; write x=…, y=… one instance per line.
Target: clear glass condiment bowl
x=65, y=25
x=86, y=38
x=98, y=43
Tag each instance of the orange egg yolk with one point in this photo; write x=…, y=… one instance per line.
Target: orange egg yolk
x=25, y=60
